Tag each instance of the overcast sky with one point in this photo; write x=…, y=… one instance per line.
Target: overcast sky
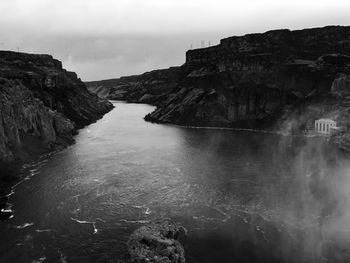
x=102, y=39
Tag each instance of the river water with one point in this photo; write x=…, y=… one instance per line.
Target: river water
x=240, y=196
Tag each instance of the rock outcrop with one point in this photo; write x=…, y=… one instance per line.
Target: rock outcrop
x=156, y=242
x=25, y=121
x=41, y=107
x=149, y=87
x=41, y=104
x=341, y=86
x=252, y=81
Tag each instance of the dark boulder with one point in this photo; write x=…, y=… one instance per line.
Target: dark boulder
x=156, y=242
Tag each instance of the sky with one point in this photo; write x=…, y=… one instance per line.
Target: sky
x=102, y=39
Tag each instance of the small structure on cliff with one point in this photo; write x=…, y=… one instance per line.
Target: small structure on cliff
x=326, y=126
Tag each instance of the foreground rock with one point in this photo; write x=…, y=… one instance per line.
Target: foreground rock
x=157, y=243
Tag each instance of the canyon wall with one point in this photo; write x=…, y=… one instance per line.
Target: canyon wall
x=41, y=105
x=146, y=88
x=280, y=80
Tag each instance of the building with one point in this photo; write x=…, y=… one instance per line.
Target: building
x=325, y=126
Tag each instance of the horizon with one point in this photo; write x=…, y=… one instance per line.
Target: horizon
x=277, y=29
x=109, y=39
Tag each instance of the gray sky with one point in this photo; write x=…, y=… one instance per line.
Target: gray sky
x=102, y=39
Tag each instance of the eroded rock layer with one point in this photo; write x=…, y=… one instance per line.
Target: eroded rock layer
x=41, y=105
x=267, y=81
x=150, y=87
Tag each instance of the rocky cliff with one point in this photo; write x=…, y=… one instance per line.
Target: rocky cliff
x=146, y=88
x=40, y=102
x=278, y=80
x=41, y=106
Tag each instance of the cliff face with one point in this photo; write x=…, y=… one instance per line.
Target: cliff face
x=41, y=105
x=256, y=81
x=146, y=88
x=251, y=81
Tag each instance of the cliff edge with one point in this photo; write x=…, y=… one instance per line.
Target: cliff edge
x=278, y=80
x=41, y=107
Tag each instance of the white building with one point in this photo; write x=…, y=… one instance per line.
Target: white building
x=325, y=126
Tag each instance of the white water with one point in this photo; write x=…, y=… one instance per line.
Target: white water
x=241, y=196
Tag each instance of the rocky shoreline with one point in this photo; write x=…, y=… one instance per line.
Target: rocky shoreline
x=42, y=106
x=280, y=80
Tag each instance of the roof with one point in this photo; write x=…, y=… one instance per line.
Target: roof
x=326, y=120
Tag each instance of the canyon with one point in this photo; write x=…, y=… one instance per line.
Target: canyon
x=123, y=182
x=280, y=80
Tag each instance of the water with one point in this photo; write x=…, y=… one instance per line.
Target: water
x=240, y=196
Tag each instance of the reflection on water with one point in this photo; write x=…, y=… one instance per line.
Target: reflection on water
x=241, y=196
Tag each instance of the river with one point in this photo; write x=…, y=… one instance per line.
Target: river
x=240, y=196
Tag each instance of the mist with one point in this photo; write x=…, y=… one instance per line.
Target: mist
x=310, y=206
x=292, y=192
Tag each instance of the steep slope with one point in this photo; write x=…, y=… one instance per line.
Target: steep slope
x=146, y=88
x=40, y=100
x=253, y=80
x=41, y=106
x=257, y=80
